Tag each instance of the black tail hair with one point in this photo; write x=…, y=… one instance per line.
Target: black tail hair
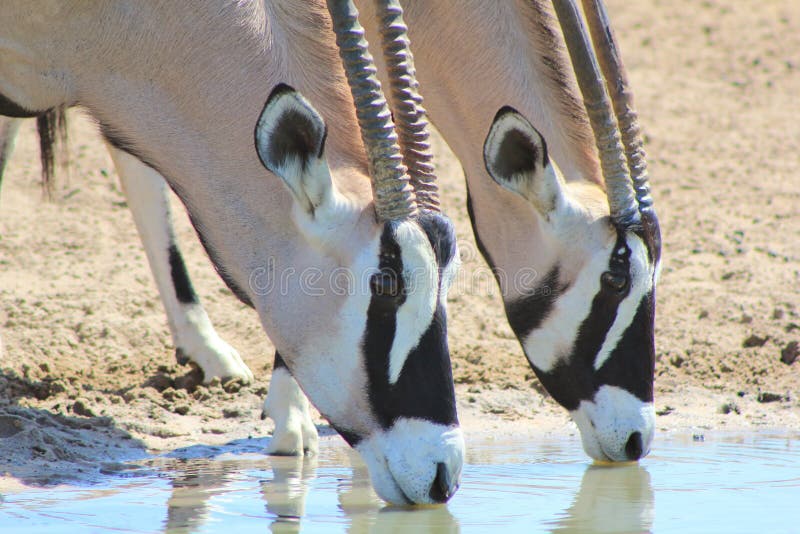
x=52, y=128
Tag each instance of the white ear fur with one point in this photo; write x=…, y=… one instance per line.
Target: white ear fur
x=290, y=141
x=515, y=155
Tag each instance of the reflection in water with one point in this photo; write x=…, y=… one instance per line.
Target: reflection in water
x=193, y=484
x=611, y=499
x=745, y=485
x=285, y=494
x=368, y=514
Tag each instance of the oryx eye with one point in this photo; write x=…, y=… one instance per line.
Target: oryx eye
x=616, y=282
x=385, y=283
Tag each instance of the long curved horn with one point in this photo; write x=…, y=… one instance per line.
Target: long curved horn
x=406, y=103
x=619, y=188
x=621, y=96
x=394, y=196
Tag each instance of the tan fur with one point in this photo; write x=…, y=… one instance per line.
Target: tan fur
x=472, y=58
x=170, y=78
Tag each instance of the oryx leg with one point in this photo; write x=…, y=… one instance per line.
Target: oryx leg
x=8, y=135
x=287, y=405
x=192, y=333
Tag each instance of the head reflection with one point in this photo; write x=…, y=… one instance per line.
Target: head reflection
x=286, y=493
x=611, y=499
x=366, y=513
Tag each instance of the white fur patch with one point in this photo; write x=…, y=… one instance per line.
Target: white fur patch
x=642, y=282
x=402, y=461
x=556, y=335
x=421, y=276
x=607, y=423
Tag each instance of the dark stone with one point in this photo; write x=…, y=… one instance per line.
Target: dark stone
x=159, y=382
x=80, y=407
x=190, y=380
x=790, y=352
x=231, y=413
x=765, y=397
x=754, y=341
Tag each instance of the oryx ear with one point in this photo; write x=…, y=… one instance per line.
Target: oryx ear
x=515, y=155
x=290, y=141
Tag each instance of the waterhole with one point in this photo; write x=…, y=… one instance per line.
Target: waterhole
x=689, y=483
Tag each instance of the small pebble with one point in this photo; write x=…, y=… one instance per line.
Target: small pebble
x=80, y=407
x=231, y=413
x=755, y=341
x=765, y=397
x=232, y=386
x=790, y=352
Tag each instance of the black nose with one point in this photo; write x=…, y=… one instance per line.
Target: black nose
x=633, y=449
x=441, y=490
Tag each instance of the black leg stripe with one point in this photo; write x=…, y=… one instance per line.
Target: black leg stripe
x=184, y=290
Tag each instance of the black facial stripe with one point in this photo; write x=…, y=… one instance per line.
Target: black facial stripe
x=631, y=365
x=424, y=388
x=574, y=379
x=184, y=290
x=527, y=313
x=380, y=329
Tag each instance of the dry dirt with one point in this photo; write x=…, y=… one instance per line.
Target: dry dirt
x=89, y=373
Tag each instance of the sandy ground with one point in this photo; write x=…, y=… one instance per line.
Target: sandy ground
x=88, y=373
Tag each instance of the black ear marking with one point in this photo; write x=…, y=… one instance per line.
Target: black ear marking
x=513, y=147
x=288, y=128
x=516, y=155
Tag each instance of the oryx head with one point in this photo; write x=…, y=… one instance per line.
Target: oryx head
x=371, y=347
x=586, y=324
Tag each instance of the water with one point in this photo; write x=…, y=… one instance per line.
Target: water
x=721, y=483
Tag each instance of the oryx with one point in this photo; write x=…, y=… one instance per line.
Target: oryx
x=538, y=198
x=179, y=90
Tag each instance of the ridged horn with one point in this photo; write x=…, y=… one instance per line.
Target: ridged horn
x=619, y=188
x=391, y=188
x=621, y=97
x=406, y=103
